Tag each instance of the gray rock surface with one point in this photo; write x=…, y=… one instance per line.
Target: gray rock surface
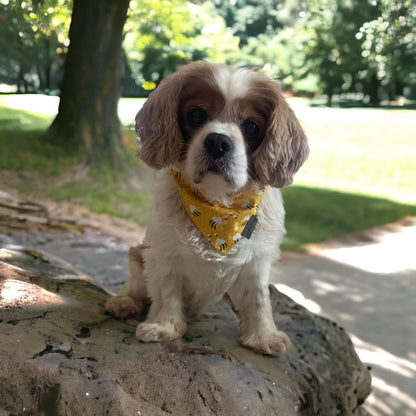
x=60, y=354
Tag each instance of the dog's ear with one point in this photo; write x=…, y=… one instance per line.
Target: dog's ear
x=157, y=127
x=284, y=147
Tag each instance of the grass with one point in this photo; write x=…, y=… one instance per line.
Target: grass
x=20, y=136
x=315, y=214
x=360, y=172
x=22, y=149
x=106, y=197
x=367, y=151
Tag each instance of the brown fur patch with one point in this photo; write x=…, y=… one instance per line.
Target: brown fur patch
x=135, y=254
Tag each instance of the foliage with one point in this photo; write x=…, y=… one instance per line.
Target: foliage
x=156, y=39
x=249, y=18
x=389, y=44
x=332, y=50
x=160, y=35
x=362, y=46
x=366, y=47
x=33, y=40
x=214, y=39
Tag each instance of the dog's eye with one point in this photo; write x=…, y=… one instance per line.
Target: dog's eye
x=197, y=117
x=252, y=134
x=250, y=129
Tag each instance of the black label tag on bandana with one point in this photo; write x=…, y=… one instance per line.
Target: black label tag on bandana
x=250, y=226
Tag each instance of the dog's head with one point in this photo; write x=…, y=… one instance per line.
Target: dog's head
x=223, y=127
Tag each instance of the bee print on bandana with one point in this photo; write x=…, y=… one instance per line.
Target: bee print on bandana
x=250, y=204
x=236, y=238
x=245, y=220
x=194, y=210
x=221, y=244
x=247, y=204
x=214, y=222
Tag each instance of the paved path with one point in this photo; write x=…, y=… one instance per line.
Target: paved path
x=367, y=284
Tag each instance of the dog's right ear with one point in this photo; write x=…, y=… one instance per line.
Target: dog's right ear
x=159, y=135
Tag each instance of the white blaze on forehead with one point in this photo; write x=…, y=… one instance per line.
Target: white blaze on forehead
x=233, y=83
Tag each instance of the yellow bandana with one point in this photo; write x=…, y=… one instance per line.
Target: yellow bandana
x=222, y=226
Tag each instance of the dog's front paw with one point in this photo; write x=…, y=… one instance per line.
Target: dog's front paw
x=124, y=306
x=272, y=343
x=160, y=332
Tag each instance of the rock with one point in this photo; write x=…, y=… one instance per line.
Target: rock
x=60, y=354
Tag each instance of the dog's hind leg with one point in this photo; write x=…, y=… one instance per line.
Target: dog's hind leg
x=133, y=297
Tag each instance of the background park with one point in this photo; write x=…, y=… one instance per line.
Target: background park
x=73, y=74
x=354, y=55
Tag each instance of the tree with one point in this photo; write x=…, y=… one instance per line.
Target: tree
x=158, y=38
x=251, y=18
x=332, y=50
x=87, y=120
x=33, y=36
x=389, y=45
x=163, y=34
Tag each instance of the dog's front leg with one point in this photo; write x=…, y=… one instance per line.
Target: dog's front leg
x=133, y=297
x=165, y=321
x=250, y=299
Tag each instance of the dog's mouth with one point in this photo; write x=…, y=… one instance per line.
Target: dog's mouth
x=220, y=169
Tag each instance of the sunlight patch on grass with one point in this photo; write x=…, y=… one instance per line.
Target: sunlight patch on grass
x=365, y=156
x=19, y=120
x=35, y=103
x=45, y=107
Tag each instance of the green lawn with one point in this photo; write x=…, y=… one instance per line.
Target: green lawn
x=314, y=214
x=360, y=173
x=367, y=151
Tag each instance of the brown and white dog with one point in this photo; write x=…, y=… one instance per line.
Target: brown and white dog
x=212, y=132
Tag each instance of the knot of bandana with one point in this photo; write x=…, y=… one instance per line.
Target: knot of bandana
x=222, y=226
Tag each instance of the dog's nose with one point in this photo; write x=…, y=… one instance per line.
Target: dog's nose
x=217, y=145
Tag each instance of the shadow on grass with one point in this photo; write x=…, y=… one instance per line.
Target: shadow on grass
x=26, y=151
x=22, y=147
x=314, y=215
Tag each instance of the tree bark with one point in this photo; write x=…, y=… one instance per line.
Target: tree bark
x=87, y=120
x=373, y=90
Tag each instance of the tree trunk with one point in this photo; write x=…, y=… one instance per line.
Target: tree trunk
x=373, y=90
x=87, y=120
x=329, y=99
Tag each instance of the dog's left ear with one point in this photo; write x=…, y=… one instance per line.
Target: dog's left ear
x=284, y=147
x=157, y=127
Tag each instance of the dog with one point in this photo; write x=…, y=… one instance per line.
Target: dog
x=224, y=142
